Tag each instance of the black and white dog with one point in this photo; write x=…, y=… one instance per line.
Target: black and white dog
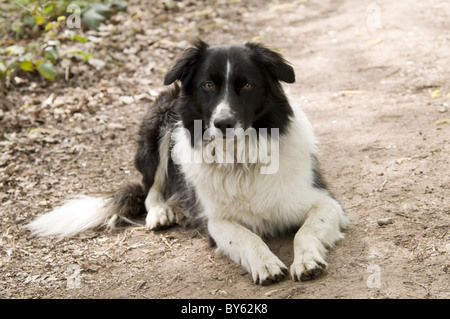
x=229, y=151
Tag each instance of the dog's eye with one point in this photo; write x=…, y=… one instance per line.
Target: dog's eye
x=208, y=85
x=247, y=86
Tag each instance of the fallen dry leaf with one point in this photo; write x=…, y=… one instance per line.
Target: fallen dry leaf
x=374, y=42
x=402, y=160
x=40, y=130
x=352, y=92
x=283, y=6
x=436, y=94
x=443, y=121
x=288, y=5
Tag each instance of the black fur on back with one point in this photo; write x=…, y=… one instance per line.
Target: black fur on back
x=129, y=201
x=159, y=116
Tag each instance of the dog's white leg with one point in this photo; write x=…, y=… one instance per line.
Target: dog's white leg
x=248, y=249
x=320, y=231
x=158, y=213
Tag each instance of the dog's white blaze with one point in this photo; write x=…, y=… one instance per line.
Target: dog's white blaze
x=227, y=78
x=223, y=109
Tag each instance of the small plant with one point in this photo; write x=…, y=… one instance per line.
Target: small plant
x=30, y=32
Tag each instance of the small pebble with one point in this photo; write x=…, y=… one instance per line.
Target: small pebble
x=384, y=221
x=270, y=293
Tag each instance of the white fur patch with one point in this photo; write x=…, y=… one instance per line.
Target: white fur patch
x=223, y=109
x=248, y=249
x=73, y=217
x=158, y=213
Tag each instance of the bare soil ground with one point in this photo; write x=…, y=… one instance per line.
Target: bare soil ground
x=372, y=76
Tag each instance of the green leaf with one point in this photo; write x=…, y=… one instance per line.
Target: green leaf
x=78, y=54
x=102, y=9
x=33, y=46
x=73, y=36
x=51, y=54
x=16, y=26
x=12, y=64
x=47, y=8
x=26, y=66
x=2, y=69
x=120, y=5
x=28, y=20
x=46, y=69
x=29, y=56
x=55, y=43
x=70, y=34
x=92, y=18
x=39, y=20
x=81, y=39
x=14, y=50
x=48, y=26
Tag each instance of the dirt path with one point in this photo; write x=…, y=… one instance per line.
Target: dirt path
x=373, y=78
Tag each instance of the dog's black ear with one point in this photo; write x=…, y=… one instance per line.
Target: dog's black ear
x=184, y=66
x=273, y=62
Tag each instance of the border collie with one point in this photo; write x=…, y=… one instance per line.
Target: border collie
x=226, y=150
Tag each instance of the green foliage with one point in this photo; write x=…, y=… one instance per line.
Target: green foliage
x=40, y=23
x=46, y=69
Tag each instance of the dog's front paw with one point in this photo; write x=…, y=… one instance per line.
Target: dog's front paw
x=307, y=267
x=268, y=271
x=159, y=216
x=306, y=271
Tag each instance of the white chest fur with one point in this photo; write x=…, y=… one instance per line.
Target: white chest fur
x=240, y=192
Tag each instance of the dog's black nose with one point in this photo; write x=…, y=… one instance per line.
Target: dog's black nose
x=224, y=123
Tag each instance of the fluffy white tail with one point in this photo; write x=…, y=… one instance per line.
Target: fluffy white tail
x=75, y=216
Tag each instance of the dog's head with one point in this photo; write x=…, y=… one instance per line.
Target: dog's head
x=232, y=86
